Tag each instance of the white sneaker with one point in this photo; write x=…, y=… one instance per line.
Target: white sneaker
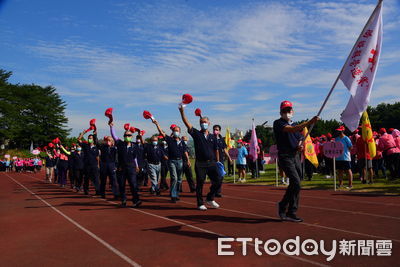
x=202, y=207
x=243, y=180
x=213, y=204
x=327, y=176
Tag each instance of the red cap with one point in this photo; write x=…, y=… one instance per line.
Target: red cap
x=126, y=126
x=340, y=128
x=142, y=132
x=187, y=99
x=390, y=130
x=147, y=115
x=160, y=137
x=329, y=135
x=382, y=131
x=108, y=112
x=240, y=141
x=197, y=112
x=286, y=104
x=172, y=126
x=51, y=145
x=259, y=140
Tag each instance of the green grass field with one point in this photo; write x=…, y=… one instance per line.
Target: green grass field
x=382, y=186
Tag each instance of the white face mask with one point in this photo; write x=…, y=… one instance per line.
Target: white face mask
x=287, y=116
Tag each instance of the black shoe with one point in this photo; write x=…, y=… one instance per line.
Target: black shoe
x=281, y=211
x=218, y=195
x=97, y=193
x=103, y=196
x=158, y=192
x=293, y=218
x=177, y=199
x=137, y=204
x=173, y=200
x=86, y=192
x=123, y=203
x=116, y=198
x=192, y=190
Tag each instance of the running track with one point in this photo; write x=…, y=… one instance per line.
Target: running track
x=42, y=224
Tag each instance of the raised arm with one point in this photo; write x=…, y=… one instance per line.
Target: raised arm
x=112, y=131
x=159, y=128
x=184, y=118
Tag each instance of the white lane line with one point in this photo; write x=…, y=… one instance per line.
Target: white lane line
x=104, y=243
x=308, y=224
x=303, y=195
x=195, y=227
x=319, y=208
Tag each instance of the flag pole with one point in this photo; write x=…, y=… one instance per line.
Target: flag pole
x=341, y=71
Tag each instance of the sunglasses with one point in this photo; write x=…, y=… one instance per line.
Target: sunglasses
x=127, y=135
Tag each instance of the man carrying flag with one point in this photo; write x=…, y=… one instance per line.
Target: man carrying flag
x=288, y=139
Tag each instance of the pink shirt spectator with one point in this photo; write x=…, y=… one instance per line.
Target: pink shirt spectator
x=387, y=144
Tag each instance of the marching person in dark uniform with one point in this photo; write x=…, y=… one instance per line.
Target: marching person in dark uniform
x=91, y=153
x=176, y=153
x=142, y=174
x=288, y=138
x=153, y=154
x=206, y=150
x=164, y=167
x=108, y=157
x=127, y=166
x=187, y=168
x=222, y=151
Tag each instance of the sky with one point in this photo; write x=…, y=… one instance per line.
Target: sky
x=239, y=59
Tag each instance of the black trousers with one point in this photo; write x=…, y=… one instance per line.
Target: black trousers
x=142, y=177
x=78, y=177
x=107, y=169
x=128, y=174
x=91, y=173
x=309, y=169
x=290, y=163
x=230, y=168
x=187, y=171
x=203, y=169
x=392, y=164
x=164, y=173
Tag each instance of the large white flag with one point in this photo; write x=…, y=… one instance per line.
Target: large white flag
x=360, y=68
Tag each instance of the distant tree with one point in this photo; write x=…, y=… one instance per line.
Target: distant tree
x=30, y=113
x=385, y=115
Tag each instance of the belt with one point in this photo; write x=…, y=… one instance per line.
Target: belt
x=154, y=163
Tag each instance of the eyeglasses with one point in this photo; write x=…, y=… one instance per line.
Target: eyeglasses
x=127, y=135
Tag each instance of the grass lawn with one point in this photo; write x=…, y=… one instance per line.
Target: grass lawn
x=318, y=181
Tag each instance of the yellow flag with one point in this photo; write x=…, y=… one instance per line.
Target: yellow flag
x=309, y=151
x=367, y=134
x=228, y=139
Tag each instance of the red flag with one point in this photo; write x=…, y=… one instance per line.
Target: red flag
x=126, y=126
x=142, y=132
x=132, y=129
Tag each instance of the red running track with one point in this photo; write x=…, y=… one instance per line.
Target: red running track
x=42, y=224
